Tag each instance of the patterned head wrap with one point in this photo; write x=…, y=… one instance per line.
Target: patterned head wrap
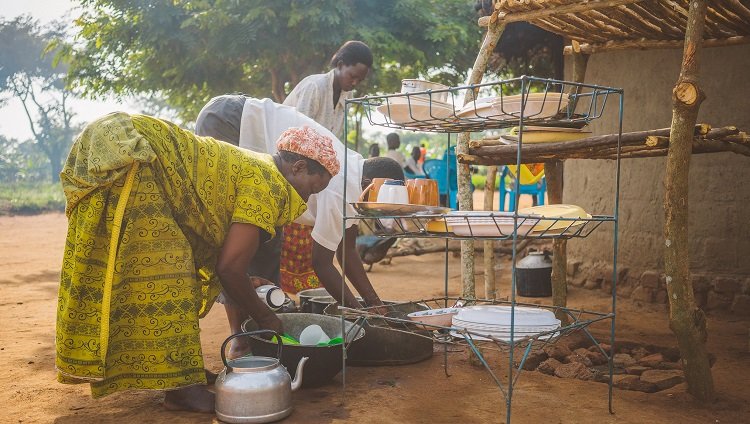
x=311, y=144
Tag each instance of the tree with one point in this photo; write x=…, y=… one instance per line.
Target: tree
x=29, y=74
x=189, y=51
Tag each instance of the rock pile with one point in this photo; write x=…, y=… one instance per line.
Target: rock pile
x=641, y=368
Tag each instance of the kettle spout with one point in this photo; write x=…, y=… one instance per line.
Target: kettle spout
x=297, y=382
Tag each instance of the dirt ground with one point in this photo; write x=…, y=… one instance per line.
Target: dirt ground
x=30, y=257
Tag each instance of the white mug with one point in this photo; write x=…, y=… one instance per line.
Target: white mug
x=271, y=296
x=393, y=191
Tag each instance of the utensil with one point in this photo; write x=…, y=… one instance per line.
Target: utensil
x=423, y=191
x=570, y=212
x=391, y=209
x=488, y=223
x=534, y=275
x=414, y=110
x=255, y=389
x=271, y=296
x=370, y=193
x=325, y=361
x=416, y=85
x=312, y=335
x=306, y=295
x=441, y=317
x=393, y=191
x=319, y=304
x=536, y=106
x=384, y=345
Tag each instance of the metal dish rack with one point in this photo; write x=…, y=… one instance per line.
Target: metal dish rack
x=585, y=103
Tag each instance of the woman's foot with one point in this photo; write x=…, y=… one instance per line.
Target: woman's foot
x=192, y=399
x=210, y=377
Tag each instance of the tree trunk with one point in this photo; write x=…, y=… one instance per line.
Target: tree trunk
x=465, y=200
x=553, y=171
x=685, y=319
x=490, y=291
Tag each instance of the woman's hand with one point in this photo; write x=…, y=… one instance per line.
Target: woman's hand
x=236, y=254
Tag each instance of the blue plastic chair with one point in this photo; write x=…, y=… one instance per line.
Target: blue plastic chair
x=435, y=170
x=508, y=187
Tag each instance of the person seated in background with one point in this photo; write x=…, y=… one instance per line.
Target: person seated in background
x=394, y=142
x=322, y=97
x=413, y=166
x=374, y=150
x=253, y=124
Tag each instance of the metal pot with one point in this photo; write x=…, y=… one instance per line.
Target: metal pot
x=320, y=303
x=325, y=361
x=255, y=389
x=306, y=295
x=534, y=275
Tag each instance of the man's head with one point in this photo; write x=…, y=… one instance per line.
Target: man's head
x=307, y=160
x=380, y=167
x=352, y=62
x=393, y=141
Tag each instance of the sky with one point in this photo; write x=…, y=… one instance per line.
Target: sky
x=13, y=120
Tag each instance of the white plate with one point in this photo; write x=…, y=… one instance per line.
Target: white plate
x=487, y=223
x=500, y=315
x=401, y=110
x=538, y=106
x=505, y=338
x=556, y=211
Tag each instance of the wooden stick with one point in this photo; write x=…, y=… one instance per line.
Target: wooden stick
x=644, y=44
x=490, y=290
x=530, y=15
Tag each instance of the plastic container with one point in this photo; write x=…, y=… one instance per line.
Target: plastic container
x=534, y=275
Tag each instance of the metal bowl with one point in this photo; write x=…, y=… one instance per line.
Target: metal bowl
x=387, y=344
x=325, y=361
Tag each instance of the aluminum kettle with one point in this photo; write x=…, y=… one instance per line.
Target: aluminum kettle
x=255, y=389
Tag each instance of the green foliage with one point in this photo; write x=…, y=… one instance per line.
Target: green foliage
x=29, y=73
x=30, y=198
x=21, y=161
x=188, y=51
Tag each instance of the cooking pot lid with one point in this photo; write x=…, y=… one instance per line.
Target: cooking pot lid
x=253, y=363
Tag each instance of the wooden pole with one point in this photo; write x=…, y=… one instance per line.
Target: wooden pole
x=465, y=199
x=644, y=44
x=553, y=170
x=686, y=320
x=561, y=9
x=490, y=291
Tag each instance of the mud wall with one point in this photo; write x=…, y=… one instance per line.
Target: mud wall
x=719, y=183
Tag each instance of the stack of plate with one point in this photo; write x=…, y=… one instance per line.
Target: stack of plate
x=535, y=106
x=494, y=320
x=415, y=109
x=485, y=223
x=571, y=213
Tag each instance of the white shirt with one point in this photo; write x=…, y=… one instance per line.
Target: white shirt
x=313, y=96
x=262, y=123
x=397, y=156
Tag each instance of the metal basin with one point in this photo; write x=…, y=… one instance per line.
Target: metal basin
x=325, y=361
x=384, y=345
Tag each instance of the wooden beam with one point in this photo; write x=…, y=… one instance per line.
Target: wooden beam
x=644, y=44
x=530, y=15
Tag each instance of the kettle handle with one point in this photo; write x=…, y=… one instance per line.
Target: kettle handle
x=249, y=333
